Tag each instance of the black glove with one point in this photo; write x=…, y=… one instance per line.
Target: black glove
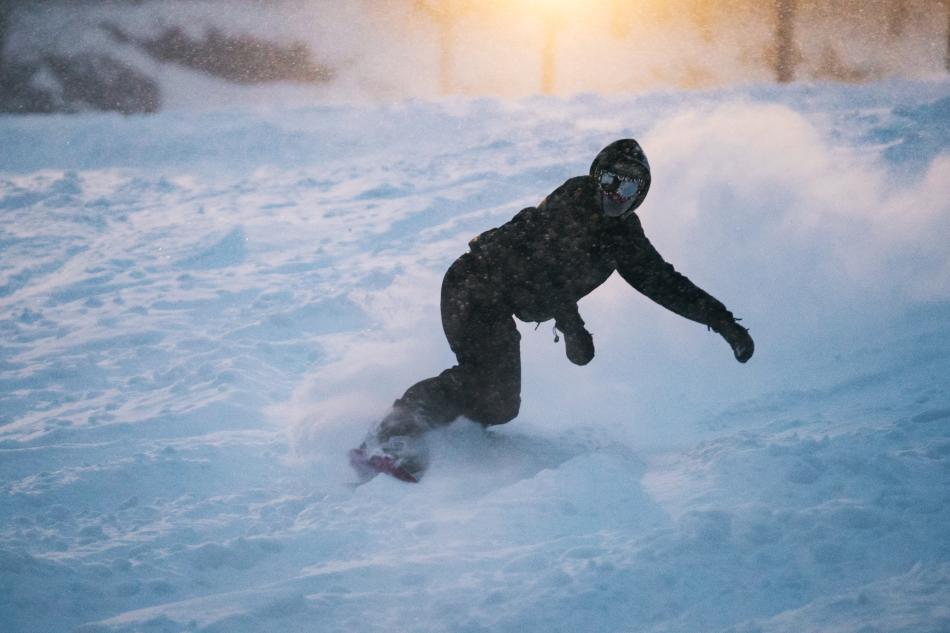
x=579, y=347
x=738, y=338
x=578, y=343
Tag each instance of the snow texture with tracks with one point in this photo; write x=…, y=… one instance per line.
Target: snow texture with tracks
x=200, y=311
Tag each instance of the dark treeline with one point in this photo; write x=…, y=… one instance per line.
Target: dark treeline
x=103, y=81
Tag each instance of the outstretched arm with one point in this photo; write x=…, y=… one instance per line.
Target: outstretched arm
x=639, y=263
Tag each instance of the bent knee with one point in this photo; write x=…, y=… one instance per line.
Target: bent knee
x=495, y=413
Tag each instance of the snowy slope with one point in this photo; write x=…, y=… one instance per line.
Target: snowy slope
x=200, y=311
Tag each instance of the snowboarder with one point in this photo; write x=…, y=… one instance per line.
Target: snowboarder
x=536, y=267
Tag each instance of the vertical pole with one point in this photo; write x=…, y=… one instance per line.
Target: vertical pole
x=785, y=40
x=548, y=53
x=946, y=4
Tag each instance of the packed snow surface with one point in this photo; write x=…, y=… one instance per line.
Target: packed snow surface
x=201, y=311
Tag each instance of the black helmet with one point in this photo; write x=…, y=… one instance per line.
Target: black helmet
x=622, y=174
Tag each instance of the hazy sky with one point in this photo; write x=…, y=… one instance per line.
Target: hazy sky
x=396, y=49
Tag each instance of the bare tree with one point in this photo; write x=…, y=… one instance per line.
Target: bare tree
x=6, y=9
x=946, y=5
x=896, y=13
x=549, y=54
x=444, y=13
x=785, y=40
x=553, y=18
x=704, y=12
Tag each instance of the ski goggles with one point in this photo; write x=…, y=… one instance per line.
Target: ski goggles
x=615, y=185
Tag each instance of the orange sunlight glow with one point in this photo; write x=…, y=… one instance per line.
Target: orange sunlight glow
x=521, y=47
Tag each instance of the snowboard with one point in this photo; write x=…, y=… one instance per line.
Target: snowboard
x=368, y=466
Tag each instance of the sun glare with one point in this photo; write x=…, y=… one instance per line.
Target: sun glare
x=554, y=5
x=550, y=46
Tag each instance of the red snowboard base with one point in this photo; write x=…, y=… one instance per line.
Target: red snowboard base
x=368, y=466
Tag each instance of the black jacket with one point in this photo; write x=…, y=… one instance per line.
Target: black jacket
x=540, y=263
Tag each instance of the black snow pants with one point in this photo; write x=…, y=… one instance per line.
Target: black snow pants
x=485, y=385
